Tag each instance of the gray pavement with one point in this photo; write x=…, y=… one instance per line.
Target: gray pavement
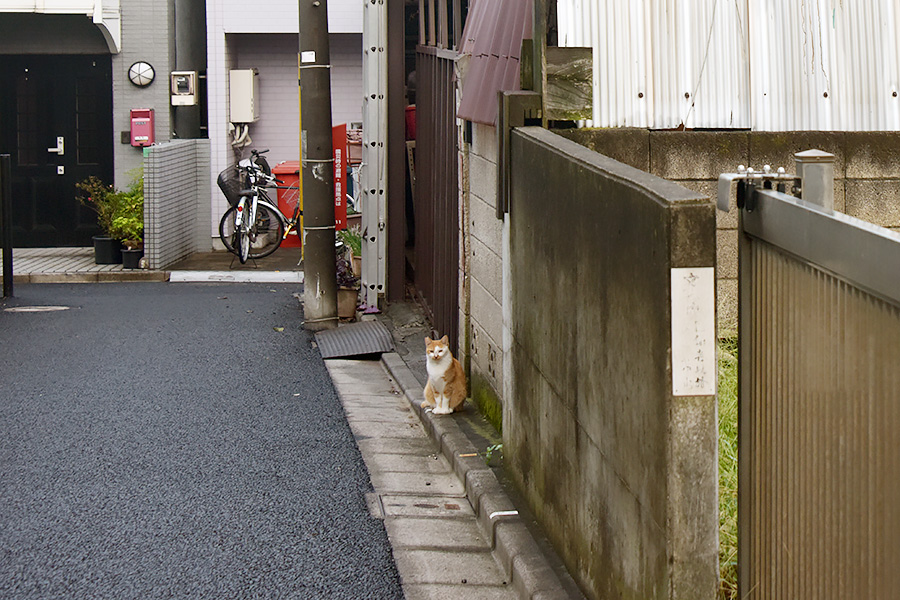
x=168, y=441
x=438, y=546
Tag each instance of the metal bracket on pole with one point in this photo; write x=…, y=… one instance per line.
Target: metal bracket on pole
x=747, y=179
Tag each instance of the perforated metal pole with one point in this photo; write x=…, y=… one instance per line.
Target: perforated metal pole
x=320, y=279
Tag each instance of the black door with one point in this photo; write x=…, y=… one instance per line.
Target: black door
x=56, y=123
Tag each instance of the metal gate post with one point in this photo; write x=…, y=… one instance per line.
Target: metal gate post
x=6, y=223
x=815, y=169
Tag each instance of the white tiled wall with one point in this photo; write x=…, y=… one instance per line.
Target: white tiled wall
x=175, y=190
x=281, y=16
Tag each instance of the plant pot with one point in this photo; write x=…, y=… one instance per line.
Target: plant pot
x=346, y=302
x=107, y=251
x=131, y=258
x=356, y=263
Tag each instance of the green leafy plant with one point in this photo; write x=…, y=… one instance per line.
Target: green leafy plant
x=120, y=214
x=728, y=471
x=490, y=450
x=102, y=199
x=352, y=238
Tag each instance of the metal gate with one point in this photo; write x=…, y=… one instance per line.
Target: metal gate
x=436, y=191
x=819, y=411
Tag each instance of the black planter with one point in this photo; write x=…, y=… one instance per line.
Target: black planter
x=131, y=258
x=107, y=251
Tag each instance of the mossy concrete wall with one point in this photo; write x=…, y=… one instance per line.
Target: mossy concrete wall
x=867, y=175
x=621, y=473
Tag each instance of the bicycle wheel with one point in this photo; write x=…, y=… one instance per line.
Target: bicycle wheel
x=265, y=236
x=226, y=230
x=266, y=233
x=243, y=239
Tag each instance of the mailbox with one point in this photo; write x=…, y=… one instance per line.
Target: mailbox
x=141, y=127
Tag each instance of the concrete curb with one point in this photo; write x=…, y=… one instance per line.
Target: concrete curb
x=95, y=277
x=511, y=542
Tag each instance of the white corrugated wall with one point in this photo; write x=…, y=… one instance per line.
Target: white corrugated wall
x=769, y=65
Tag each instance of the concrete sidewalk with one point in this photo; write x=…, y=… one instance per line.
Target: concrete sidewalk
x=454, y=531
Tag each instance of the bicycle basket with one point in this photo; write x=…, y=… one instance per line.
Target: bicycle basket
x=231, y=182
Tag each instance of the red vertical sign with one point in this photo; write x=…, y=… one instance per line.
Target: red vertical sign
x=339, y=143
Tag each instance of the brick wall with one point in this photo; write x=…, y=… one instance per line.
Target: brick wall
x=176, y=211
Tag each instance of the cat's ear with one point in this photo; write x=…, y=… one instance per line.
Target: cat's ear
x=445, y=340
x=428, y=340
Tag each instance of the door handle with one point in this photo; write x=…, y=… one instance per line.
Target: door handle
x=60, y=146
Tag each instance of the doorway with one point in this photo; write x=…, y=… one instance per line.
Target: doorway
x=56, y=123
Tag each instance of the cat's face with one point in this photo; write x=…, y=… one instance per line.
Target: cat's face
x=437, y=349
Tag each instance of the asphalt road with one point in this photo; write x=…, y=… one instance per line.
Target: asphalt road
x=166, y=441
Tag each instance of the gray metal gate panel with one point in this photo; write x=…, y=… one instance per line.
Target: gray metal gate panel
x=437, y=196
x=819, y=413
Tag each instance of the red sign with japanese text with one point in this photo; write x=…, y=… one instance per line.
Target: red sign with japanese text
x=339, y=143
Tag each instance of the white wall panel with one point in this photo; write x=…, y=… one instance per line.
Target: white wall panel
x=825, y=64
x=813, y=64
x=281, y=16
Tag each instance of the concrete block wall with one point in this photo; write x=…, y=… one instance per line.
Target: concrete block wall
x=481, y=309
x=867, y=175
x=176, y=211
x=619, y=470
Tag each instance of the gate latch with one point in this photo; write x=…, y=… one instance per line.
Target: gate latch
x=747, y=179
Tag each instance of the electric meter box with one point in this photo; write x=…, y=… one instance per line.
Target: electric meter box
x=243, y=87
x=183, y=87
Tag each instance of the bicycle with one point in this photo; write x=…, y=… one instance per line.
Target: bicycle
x=253, y=227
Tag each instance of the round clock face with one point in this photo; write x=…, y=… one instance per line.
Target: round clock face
x=141, y=74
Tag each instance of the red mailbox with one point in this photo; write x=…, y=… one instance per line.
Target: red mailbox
x=141, y=127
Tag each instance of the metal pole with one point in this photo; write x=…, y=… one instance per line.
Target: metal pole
x=6, y=223
x=317, y=172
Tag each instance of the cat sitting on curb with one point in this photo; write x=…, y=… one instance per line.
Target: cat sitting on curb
x=446, y=387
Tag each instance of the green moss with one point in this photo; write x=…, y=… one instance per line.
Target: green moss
x=486, y=401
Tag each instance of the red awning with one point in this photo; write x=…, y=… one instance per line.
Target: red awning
x=493, y=37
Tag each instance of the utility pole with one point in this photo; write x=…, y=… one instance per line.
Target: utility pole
x=317, y=168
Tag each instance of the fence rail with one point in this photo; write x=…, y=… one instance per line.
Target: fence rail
x=819, y=414
x=437, y=195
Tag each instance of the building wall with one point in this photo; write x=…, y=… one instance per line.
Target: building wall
x=266, y=38
x=147, y=35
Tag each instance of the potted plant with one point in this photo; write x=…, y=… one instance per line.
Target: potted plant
x=128, y=224
x=103, y=200
x=352, y=239
x=347, y=289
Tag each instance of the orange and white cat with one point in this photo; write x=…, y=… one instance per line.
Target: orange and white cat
x=446, y=387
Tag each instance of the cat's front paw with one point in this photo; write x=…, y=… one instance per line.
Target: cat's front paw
x=442, y=411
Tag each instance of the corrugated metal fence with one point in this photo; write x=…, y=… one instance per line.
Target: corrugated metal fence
x=767, y=65
x=437, y=195
x=820, y=405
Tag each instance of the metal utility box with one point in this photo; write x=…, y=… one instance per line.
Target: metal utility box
x=184, y=88
x=142, y=127
x=243, y=88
